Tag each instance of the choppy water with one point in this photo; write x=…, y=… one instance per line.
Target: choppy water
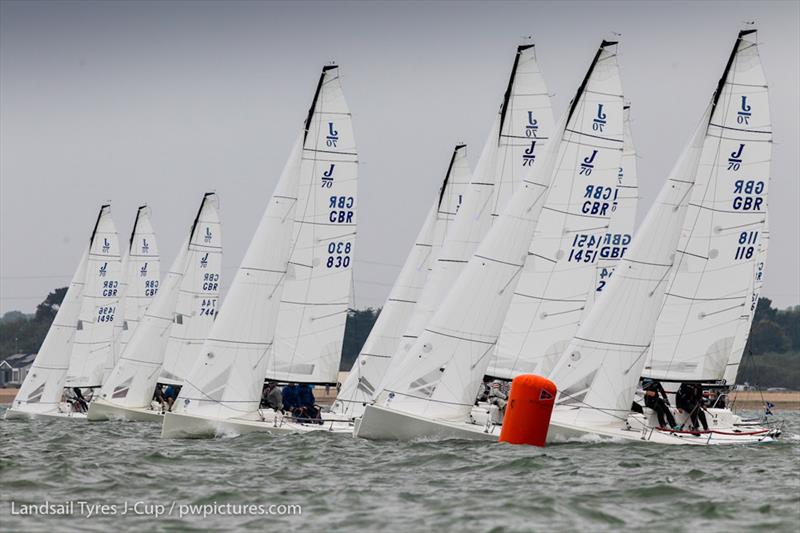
x=344, y=483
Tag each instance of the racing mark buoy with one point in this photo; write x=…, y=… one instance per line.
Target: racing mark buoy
x=529, y=408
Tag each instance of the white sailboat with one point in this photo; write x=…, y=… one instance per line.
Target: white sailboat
x=513, y=153
x=193, y=277
x=384, y=338
x=284, y=315
x=598, y=373
x=41, y=392
x=141, y=273
x=435, y=391
x=94, y=335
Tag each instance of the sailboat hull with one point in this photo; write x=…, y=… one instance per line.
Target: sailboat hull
x=379, y=423
x=100, y=410
x=20, y=414
x=182, y=426
x=636, y=429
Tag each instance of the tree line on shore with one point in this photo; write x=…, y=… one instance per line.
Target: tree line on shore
x=771, y=359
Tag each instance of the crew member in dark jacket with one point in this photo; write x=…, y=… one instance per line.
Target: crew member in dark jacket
x=656, y=399
x=689, y=398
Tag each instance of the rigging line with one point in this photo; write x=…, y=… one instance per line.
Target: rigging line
x=724, y=310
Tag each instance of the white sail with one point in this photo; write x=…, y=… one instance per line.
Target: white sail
x=198, y=294
x=623, y=220
x=444, y=367
x=94, y=335
x=572, y=237
x=384, y=338
x=227, y=378
x=318, y=284
x=141, y=273
x=743, y=335
x=512, y=154
x=132, y=381
x=44, y=383
x=707, y=304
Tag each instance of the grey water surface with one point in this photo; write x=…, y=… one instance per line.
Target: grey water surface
x=343, y=483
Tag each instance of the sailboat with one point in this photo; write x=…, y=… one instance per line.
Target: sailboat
x=83, y=323
x=141, y=272
x=678, y=268
x=181, y=311
x=284, y=315
x=513, y=153
x=384, y=338
x=434, y=393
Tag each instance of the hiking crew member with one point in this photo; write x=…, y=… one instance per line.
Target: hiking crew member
x=656, y=399
x=689, y=398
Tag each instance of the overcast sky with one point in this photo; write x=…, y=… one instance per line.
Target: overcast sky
x=159, y=102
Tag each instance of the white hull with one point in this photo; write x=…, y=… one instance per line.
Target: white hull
x=560, y=431
x=20, y=414
x=100, y=410
x=379, y=423
x=180, y=426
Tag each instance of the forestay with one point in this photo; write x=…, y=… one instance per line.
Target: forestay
x=384, y=338
x=93, y=342
x=198, y=293
x=708, y=300
x=141, y=272
x=573, y=234
x=512, y=154
x=227, y=377
x=44, y=383
x=444, y=367
x=318, y=283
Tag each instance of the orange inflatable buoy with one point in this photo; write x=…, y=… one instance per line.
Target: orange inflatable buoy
x=528, y=412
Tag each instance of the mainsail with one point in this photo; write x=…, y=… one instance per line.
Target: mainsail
x=198, y=293
x=141, y=272
x=93, y=342
x=446, y=364
x=709, y=295
x=384, y=338
x=317, y=287
x=572, y=238
x=512, y=154
x=43, y=386
x=227, y=377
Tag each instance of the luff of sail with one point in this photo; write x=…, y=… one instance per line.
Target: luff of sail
x=228, y=375
x=707, y=303
x=43, y=386
x=141, y=274
x=384, y=337
x=743, y=335
x=513, y=153
x=94, y=335
x=198, y=294
x=571, y=238
x=317, y=288
x=447, y=363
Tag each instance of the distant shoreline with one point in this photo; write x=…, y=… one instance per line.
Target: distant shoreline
x=748, y=400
